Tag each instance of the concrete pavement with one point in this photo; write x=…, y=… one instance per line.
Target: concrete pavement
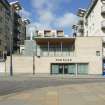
x=75, y=94
x=19, y=83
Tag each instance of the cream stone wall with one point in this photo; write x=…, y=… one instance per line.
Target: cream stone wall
x=21, y=64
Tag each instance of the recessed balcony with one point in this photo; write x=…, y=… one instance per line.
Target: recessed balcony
x=103, y=25
x=60, y=33
x=47, y=33
x=103, y=10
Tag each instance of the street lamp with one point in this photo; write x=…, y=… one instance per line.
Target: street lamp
x=11, y=67
x=34, y=53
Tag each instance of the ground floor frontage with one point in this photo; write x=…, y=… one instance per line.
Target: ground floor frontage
x=70, y=66
x=67, y=68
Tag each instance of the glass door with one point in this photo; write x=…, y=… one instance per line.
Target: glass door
x=60, y=68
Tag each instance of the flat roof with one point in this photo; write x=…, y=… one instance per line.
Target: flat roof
x=55, y=41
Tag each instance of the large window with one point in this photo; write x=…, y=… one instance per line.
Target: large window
x=56, y=50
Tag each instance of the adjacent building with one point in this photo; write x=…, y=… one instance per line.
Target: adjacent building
x=16, y=23
x=5, y=27
x=95, y=19
x=12, y=27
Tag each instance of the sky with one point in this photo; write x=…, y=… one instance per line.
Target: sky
x=52, y=14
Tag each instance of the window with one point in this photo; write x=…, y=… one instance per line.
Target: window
x=97, y=53
x=82, y=69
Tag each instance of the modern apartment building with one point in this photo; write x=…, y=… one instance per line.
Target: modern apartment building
x=95, y=19
x=5, y=26
x=17, y=23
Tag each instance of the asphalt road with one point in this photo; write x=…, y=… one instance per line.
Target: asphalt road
x=13, y=85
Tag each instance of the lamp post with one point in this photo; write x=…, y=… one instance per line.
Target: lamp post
x=34, y=53
x=11, y=67
x=11, y=45
x=33, y=63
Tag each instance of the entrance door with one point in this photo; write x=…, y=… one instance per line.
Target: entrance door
x=63, y=69
x=60, y=68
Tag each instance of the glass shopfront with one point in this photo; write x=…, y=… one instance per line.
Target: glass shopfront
x=80, y=69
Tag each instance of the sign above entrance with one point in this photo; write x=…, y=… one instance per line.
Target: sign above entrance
x=63, y=60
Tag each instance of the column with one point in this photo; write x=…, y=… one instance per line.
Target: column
x=76, y=70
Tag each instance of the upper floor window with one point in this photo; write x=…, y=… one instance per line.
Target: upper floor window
x=97, y=53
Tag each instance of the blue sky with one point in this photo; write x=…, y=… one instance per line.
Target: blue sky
x=56, y=14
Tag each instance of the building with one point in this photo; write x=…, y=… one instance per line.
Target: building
x=65, y=55
x=12, y=27
x=69, y=55
x=5, y=27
